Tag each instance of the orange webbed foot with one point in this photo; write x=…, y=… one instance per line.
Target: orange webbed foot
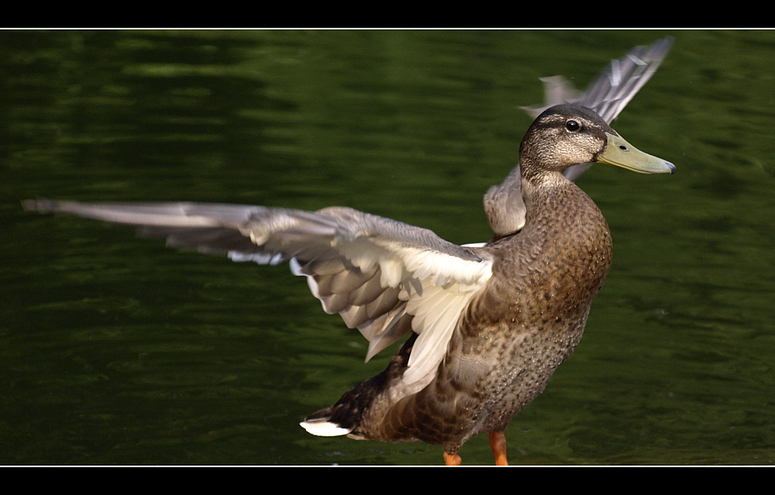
x=452, y=459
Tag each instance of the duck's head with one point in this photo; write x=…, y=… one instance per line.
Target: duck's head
x=566, y=135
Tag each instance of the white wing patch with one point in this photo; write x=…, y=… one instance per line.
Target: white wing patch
x=437, y=310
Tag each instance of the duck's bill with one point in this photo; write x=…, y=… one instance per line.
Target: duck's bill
x=622, y=154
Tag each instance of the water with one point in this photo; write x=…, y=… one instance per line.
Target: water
x=114, y=350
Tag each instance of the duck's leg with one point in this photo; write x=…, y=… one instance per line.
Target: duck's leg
x=498, y=445
x=452, y=459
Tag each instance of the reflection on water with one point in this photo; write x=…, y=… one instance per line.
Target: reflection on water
x=117, y=351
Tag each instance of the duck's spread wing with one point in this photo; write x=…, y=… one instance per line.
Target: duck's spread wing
x=613, y=88
x=384, y=277
x=607, y=95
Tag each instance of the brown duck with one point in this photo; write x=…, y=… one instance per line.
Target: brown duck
x=488, y=324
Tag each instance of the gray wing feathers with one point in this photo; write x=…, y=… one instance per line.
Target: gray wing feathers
x=620, y=82
x=316, y=243
x=613, y=88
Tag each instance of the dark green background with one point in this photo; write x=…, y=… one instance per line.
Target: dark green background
x=114, y=350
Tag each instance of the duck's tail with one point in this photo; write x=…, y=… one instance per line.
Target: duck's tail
x=344, y=417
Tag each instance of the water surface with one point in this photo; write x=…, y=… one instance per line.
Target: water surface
x=114, y=350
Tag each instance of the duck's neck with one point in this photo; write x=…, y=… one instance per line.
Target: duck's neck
x=550, y=197
x=564, y=221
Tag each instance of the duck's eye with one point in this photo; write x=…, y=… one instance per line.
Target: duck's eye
x=572, y=125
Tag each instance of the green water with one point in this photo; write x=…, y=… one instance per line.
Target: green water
x=114, y=350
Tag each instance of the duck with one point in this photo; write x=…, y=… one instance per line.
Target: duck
x=485, y=325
